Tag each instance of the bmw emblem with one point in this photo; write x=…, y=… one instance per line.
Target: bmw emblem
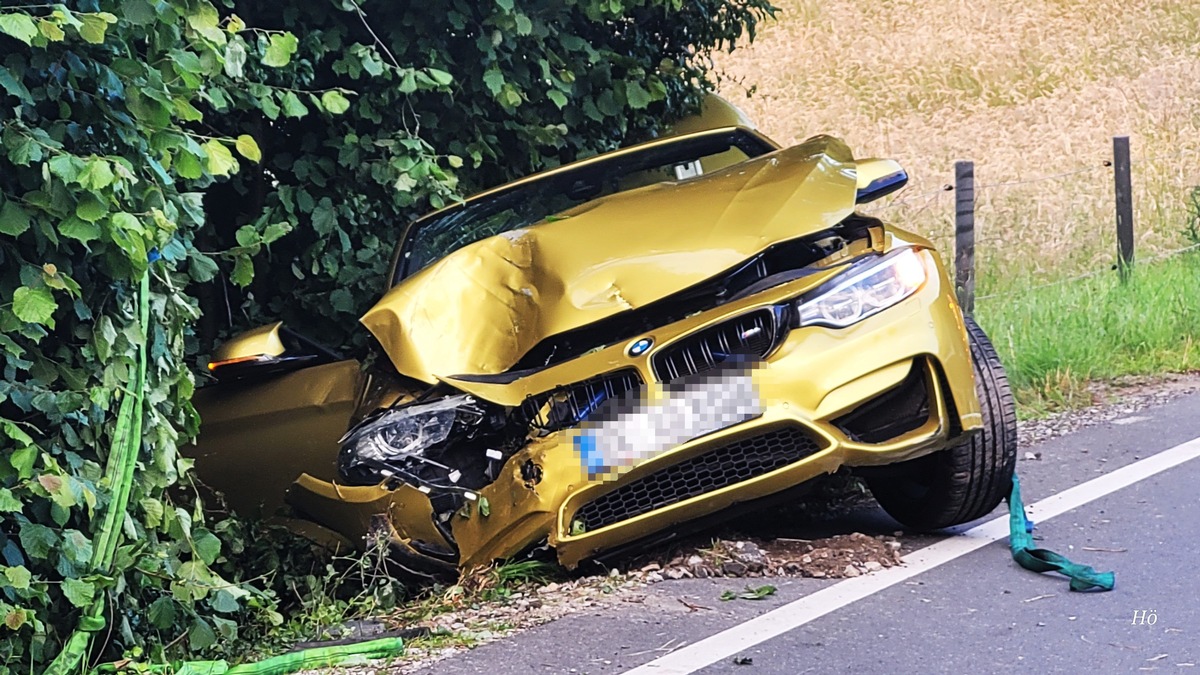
x=641, y=346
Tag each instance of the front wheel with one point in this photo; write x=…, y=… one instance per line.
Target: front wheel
x=968, y=480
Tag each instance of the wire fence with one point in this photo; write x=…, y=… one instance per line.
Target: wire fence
x=1099, y=196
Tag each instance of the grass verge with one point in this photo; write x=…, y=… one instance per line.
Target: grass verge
x=1054, y=339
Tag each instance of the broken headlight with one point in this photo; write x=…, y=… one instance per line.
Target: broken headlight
x=408, y=441
x=864, y=290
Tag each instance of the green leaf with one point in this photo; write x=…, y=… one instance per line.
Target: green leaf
x=8, y=502
x=558, y=98
x=66, y=167
x=19, y=26
x=18, y=577
x=441, y=77
x=408, y=84
x=94, y=26
x=243, y=271
x=324, y=217
x=248, y=148
x=247, y=236
x=96, y=175
x=637, y=95
x=524, y=25
x=493, y=79
x=341, y=300
x=206, y=22
x=77, y=547
x=127, y=222
x=51, y=31
x=153, y=510
x=14, y=86
x=162, y=612
x=485, y=507
x=22, y=459
x=269, y=107
x=78, y=592
x=103, y=336
x=292, y=107
x=185, y=111
x=750, y=593
x=235, y=58
x=34, y=305
x=334, y=102
x=275, y=231
x=206, y=545
x=13, y=219
x=90, y=208
x=201, y=268
x=79, y=230
x=220, y=160
x=280, y=49
x=38, y=540
x=201, y=635
x=188, y=166
x=224, y=601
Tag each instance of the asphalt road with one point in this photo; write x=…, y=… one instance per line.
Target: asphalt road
x=977, y=612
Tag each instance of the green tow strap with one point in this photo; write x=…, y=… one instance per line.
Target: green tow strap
x=317, y=657
x=1020, y=539
x=122, y=460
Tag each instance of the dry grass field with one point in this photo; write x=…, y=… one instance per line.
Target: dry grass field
x=1032, y=91
x=1025, y=89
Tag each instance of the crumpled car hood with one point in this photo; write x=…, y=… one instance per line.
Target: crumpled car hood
x=480, y=309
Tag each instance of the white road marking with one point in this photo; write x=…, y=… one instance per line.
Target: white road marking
x=811, y=607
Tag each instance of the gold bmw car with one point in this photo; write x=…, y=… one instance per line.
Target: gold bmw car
x=620, y=349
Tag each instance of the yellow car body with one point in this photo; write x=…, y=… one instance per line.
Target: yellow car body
x=616, y=296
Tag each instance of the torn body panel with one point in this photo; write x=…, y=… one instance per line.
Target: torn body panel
x=481, y=308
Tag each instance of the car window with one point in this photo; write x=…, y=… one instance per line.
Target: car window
x=533, y=201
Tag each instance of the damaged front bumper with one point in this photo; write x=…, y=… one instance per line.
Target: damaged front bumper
x=889, y=388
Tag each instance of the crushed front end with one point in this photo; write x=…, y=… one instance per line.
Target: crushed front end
x=841, y=348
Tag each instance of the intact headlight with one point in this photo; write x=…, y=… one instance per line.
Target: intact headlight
x=866, y=290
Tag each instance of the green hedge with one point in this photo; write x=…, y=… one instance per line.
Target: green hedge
x=270, y=153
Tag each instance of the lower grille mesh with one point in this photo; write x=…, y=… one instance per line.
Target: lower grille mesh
x=704, y=473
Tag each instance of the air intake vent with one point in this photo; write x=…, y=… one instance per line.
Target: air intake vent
x=708, y=472
x=747, y=335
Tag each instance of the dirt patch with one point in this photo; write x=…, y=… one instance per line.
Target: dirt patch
x=840, y=556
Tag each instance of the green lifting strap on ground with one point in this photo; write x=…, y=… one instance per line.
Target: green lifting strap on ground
x=317, y=657
x=1083, y=578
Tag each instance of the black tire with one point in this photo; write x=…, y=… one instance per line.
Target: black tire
x=968, y=480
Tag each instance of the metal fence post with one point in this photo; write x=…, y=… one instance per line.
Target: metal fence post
x=964, y=235
x=1124, y=190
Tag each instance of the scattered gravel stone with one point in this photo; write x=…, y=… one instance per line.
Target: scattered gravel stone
x=1117, y=399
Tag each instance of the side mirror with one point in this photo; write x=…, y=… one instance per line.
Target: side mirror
x=267, y=350
x=878, y=178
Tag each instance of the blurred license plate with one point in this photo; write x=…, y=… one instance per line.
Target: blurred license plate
x=627, y=432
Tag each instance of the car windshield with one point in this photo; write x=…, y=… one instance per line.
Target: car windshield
x=537, y=199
